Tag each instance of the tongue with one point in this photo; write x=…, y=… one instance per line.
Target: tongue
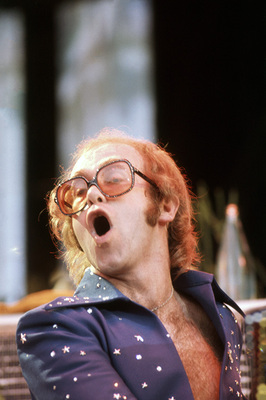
x=101, y=225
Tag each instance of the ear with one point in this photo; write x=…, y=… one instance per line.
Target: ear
x=168, y=211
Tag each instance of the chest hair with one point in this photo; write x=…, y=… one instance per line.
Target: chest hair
x=197, y=343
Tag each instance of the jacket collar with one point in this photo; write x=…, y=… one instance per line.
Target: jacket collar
x=98, y=288
x=190, y=280
x=94, y=289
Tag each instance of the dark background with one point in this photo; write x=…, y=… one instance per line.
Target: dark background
x=210, y=88
x=210, y=62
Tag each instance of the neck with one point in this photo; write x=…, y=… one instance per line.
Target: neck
x=145, y=280
x=161, y=305
x=149, y=286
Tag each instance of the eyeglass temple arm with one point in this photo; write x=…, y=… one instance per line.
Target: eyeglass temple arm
x=145, y=178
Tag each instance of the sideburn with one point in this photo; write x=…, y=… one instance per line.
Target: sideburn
x=152, y=213
x=72, y=239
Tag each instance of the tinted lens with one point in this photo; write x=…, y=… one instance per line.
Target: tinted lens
x=115, y=179
x=72, y=195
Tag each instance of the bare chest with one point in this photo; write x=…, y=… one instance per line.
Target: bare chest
x=200, y=361
x=200, y=351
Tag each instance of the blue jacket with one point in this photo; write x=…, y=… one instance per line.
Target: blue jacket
x=99, y=345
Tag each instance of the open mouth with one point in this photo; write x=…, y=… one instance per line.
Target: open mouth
x=101, y=225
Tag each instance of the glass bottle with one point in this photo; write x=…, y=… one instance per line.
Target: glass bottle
x=235, y=267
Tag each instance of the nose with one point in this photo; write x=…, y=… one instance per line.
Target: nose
x=94, y=196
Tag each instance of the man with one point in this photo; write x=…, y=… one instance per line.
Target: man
x=142, y=324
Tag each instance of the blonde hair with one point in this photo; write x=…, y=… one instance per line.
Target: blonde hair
x=161, y=168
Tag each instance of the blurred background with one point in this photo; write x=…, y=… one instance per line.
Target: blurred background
x=190, y=74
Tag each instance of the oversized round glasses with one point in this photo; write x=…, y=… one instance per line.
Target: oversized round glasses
x=113, y=179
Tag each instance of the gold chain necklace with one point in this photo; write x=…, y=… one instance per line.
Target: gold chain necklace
x=166, y=301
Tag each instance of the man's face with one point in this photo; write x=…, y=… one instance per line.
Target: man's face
x=113, y=232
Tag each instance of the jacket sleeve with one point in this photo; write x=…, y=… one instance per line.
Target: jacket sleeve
x=64, y=355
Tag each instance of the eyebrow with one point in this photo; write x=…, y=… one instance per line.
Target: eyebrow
x=84, y=172
x=81, y=172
